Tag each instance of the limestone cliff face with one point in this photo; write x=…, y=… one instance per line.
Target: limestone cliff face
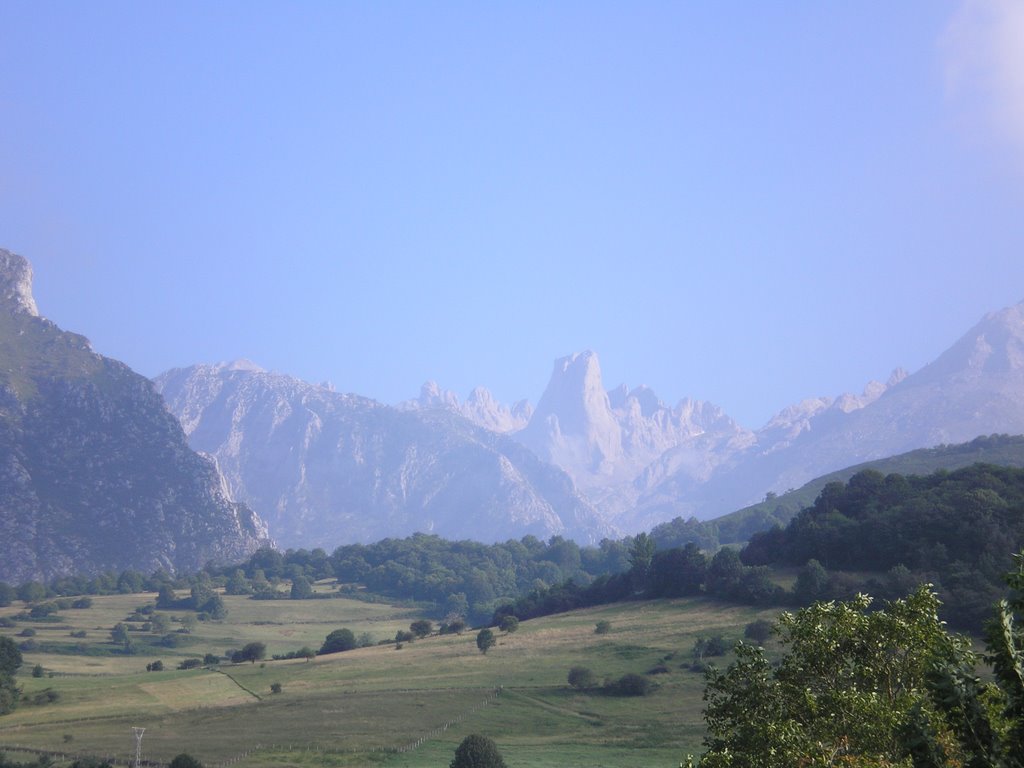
x=326, y=468
x=616, y=444
x=95, y=474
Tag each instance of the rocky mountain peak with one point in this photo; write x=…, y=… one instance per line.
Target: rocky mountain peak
x=994, y=346
x=16, y=283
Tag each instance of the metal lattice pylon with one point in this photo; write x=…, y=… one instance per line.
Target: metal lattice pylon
x=137, y=733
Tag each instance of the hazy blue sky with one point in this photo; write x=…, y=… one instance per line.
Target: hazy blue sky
x=744, y=202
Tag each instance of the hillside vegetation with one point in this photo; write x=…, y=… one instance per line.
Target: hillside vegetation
x=778, y=509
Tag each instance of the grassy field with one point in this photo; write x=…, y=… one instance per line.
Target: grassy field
x=358, y=708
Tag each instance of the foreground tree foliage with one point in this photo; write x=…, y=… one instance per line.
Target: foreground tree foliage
x=841, y=695
x=873, y=690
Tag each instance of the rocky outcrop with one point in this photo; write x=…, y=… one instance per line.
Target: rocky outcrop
x=95, y=474
x=480, y=407
x=326, y=468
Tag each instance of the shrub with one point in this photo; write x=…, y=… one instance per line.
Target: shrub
x=759, y=631
x=602, y=627
x=275, y=687
x=629, y=684
x=401, y=636
x=37, y=670
x=211, y=659
x=155, y=666
x=485, y=640
x=582, y=678
x=193, y=663
x=477, y=751
x=422, y=627
x=338, y=640
x=185, y=760
x=27, y=632
x=508, y=624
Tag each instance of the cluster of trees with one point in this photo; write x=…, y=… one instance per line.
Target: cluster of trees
x=677, y=572
x=630, y=684
x=860, y=687
x=951, y=529
x=462, y=578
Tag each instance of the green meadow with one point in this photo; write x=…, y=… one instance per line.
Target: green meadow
x=379, y=705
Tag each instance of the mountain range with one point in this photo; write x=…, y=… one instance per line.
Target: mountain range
x=95, y=473
x=102, y=469
x=326, y=468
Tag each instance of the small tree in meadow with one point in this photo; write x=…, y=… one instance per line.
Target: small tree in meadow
x=485, y=640
x=477, y=751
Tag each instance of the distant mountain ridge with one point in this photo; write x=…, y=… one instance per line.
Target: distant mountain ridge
x=642, y=463
x=95, y=474
x=326, y=468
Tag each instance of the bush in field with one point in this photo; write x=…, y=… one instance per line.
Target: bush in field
x=759, y=631
x=485, y=640
x=339, y=640
x=421, y=627
x=629, y=685
x=582, y=678
x=508, y=624
x=185, y=760
x=602, y=627
x=251, y=652
x=477, y=751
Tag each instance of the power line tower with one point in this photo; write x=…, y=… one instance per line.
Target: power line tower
x=137, y=733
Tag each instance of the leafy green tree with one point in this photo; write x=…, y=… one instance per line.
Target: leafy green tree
x=37, y=670
x=477, y=751
x=582, y=678
x=339, y=640
x=641, y=553
x=165, y=597
x=758, y=631
x=986, y=719
x=251, y=652
x=812, y=583
x=119, y=634
x=7, y=594
x=845, y=687
x=31, y=592
x=508, y=624
x=185, y=760
x=485, y=640
x=10, y=656
x=421, y=627
x=301, y=588
x=10, y=660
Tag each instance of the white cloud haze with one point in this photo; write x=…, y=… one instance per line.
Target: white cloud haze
x=983, y=46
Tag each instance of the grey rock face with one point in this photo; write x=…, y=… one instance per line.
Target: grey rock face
x=326, y=468
x=95, y=474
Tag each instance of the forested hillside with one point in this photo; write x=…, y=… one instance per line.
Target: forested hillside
x=955, y=529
